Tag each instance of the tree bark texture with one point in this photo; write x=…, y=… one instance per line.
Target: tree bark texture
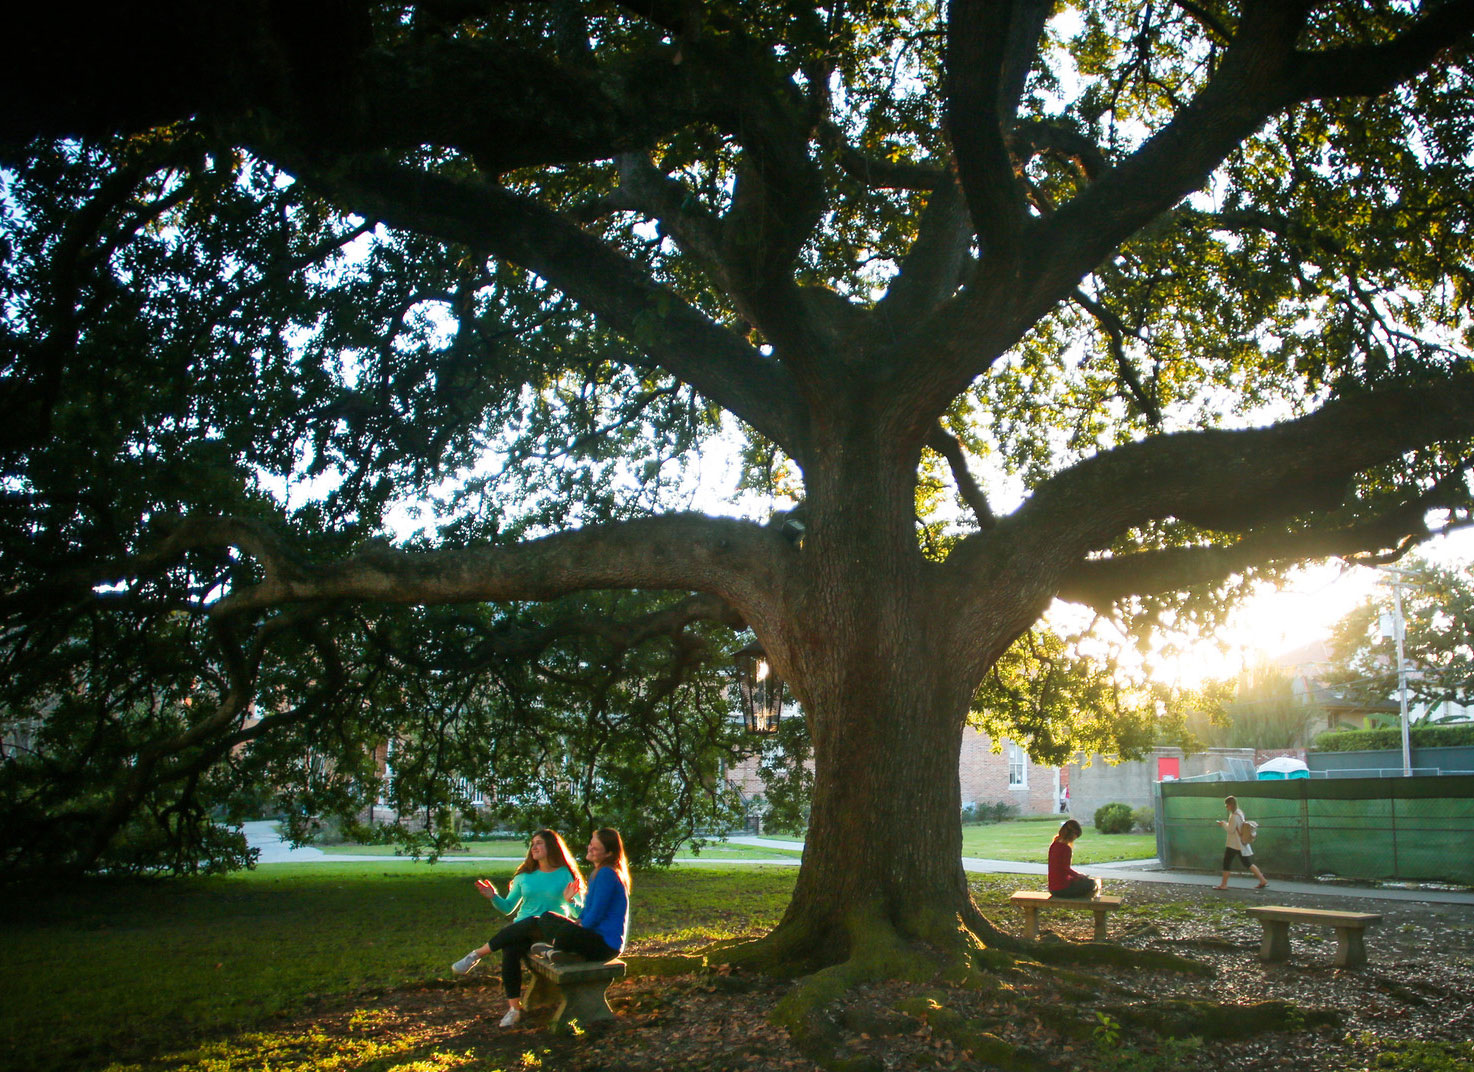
x=874, y=662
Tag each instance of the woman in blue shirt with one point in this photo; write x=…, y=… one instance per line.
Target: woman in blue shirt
x=603, y=923
x=547, y=881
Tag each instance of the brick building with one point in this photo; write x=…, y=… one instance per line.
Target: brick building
x=1009, y=776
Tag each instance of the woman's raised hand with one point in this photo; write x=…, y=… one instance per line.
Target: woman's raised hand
x=486, y=888
x=570, y=891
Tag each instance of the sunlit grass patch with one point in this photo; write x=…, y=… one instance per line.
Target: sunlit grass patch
x=1411, y=1055
x=409, y=1049
x=1028, y=842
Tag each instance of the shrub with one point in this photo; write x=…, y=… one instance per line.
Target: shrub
x=1000, y=811
x=997, y=812
x=1113, y=818
x=1144, y=819
x=1456, y=736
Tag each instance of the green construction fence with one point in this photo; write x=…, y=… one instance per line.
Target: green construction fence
x=1409, y=829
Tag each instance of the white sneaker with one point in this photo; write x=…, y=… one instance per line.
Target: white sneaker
x=466, y=963
x=541, y=949
x=513, y=1017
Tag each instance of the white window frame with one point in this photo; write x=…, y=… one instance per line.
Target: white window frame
x=1018, y=766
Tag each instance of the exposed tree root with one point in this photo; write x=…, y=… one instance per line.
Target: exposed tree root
x=973, y=1035
x=1208, y=1020
x=1113, y=956
x=939, y=952
x=665, y=963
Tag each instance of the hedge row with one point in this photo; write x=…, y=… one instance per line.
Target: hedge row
x=1460, y=736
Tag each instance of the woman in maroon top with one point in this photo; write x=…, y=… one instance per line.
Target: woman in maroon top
x=1064, y=880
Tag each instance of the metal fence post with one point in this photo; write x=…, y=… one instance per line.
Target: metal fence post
x=1305, y=860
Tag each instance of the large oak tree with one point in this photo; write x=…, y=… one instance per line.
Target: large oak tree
x=1195, y=274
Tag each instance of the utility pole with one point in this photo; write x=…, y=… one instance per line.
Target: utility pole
x=1399, y=631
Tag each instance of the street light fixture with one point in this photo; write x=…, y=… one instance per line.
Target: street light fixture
x=760, y=688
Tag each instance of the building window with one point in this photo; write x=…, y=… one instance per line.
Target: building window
x=1018, y=767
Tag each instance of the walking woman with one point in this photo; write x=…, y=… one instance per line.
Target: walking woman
x=597, y=934
x=546, y=881
x=1236, y=848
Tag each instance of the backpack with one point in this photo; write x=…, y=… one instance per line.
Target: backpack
x=1246, y=833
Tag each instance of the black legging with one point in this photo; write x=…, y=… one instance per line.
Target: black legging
x=515, y=941
x=1076, y=887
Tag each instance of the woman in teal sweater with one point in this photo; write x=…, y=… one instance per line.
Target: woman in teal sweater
x=547, y=881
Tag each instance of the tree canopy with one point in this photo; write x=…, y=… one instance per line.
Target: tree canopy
x=1106, y=303
x=1438, y=642
x=1258, y=709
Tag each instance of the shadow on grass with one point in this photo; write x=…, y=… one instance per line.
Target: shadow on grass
x=107, y=971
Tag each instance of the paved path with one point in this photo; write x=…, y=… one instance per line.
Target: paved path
x=263, y=836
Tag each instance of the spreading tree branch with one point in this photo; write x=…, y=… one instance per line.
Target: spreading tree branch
x=1260, y=74
x=717, y=362
x=1101, y=582
x=1371, y=70
x=990, y=48
x=745, y=564
x=949, y=447
x=1234, y=480
x=935, y=265
x=1224, y=481
x=1116, y=335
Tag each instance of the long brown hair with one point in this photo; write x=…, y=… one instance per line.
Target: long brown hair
x=558, y=854
x=614, y=846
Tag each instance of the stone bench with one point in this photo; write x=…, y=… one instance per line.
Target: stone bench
x=579, y=986
x=1350, y=951
x=1033, y=900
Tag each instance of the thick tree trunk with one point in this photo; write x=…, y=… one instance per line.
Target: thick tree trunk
x=875, y=668
x=885, y=835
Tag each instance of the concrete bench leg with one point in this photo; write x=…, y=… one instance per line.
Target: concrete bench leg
x=585, y=1002
x=1100, y=925
x=1350, y=949
x=1276, y=940
x=539, y=991
x=1031, y=921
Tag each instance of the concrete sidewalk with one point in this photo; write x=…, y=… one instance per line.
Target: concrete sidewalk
x=263, y=836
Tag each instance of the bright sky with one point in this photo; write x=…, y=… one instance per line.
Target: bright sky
x=1304, y=611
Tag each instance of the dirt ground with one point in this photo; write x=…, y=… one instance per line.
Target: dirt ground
x=1419, y=984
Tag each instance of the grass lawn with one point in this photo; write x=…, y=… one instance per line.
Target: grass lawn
x=1027, y=840
x=344, y=966
x=98, y=972
x=1023, y=840
x=509, y=849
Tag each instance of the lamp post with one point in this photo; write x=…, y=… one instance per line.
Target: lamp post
x=760, y=688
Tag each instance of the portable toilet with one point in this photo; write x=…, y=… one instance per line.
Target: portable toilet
x=1281, y=767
